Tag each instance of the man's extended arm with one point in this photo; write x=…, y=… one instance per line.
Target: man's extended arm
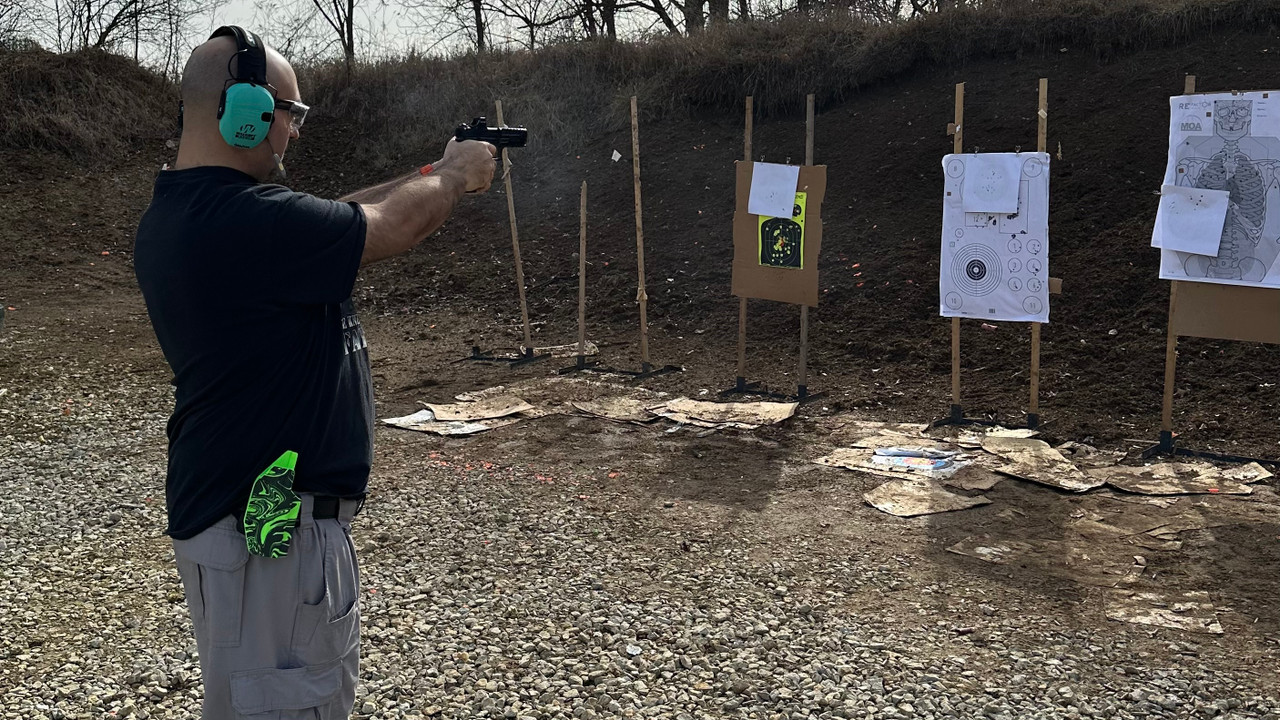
x=406, y=210
x=379, y=192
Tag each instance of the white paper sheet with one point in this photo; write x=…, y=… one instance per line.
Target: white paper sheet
x=995, y=266
x=1191, y=220
x=991, y=183
x=773, y=189
x=1228, y=142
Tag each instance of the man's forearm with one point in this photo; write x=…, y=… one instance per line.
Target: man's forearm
x=379, y=192
x=410, y=212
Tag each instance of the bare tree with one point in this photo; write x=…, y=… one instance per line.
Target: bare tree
x=296, y=30
x=13, y=20
x=150, y=30
x=718, y=10
x=341, y=17
x=446, y=24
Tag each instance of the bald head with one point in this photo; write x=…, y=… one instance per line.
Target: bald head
x=207, y=72
x=211, y=66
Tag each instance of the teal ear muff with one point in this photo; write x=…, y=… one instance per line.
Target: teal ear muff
x=248, y=103
x=246, y=114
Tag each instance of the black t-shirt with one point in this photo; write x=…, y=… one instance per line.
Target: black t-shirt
x=249, y=290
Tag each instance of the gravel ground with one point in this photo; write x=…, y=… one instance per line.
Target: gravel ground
x=503, y=589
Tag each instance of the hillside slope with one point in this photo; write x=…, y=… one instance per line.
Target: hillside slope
x=877, y=340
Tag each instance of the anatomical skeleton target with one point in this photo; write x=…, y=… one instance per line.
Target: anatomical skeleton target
x=1226, y=148
x=995, y=263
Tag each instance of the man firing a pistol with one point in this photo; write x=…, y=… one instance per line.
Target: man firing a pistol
x=248, y=286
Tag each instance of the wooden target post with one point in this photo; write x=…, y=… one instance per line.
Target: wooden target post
x=647, y=369
x=1216, y=312
x=957, y=416
x=526, y=354
x=741, y=385
x=581, y=362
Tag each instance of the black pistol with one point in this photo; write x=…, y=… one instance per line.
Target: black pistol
x=499, y=137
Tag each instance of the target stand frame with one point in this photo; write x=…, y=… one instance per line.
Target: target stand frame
x=956, y=415
x=1217, y=312
x=741, y=385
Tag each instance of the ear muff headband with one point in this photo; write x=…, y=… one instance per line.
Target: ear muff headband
x=247, y=106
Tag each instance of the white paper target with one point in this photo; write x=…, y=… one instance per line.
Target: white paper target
x=991, y=183
x=995, y=266
x=1225, y=143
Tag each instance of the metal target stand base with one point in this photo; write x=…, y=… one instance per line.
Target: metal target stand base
x=581, y=364
x=1167, y=446
x=957, y=418
x=645, y=372
x=742, y=387
x=526, y=357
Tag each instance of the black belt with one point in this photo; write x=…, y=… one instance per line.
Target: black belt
x=326, y=507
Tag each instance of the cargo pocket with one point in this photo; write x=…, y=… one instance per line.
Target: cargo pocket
x=212, y=568
x=305, y=693
x=330, y=628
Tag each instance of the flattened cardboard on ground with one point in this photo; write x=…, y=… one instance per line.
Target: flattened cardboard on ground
x=1033, y=460
x=890, y=438
x=910, y=498
x=484, y=409
x=1193, y=478
x=972, y=477
x=968, y=438
x=1087, y=456
x=618, y=409
x=743, y=416
x=550, y=395
x=425, y=421
x=1189, y=612
x=788, y=285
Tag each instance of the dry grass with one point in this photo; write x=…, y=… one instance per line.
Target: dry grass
x=91, y=106
x=96, y=105
x=573, y=91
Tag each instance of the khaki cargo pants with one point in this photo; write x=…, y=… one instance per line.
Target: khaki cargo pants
x=279, y=639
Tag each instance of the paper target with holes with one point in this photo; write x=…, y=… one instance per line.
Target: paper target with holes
x=995, y=265
x=1224, y=144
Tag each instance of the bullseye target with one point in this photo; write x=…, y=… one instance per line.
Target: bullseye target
x=994, y=263
x=975, y=270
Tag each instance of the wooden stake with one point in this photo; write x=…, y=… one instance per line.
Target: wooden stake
x=582, y=273
x=1171, y=339
x=1170, y=362
x=742, y=301
x=515, y=241
x=640, y=293
x=957, y=146
x=1042, y=143
x=804, y=309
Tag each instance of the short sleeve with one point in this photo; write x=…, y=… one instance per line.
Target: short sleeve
x=315, y=249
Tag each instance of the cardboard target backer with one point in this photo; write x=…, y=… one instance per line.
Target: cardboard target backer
x=776, y=258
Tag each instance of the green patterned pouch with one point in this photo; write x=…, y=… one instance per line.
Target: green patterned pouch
x=273, y=509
